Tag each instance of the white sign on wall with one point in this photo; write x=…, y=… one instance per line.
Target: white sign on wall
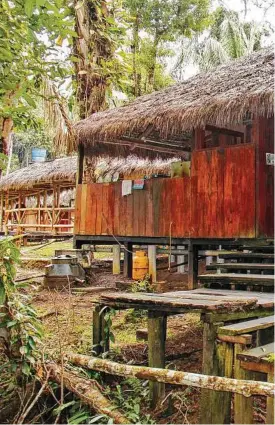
x=270, y=159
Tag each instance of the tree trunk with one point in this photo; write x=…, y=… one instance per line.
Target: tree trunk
x=135, y=50
x=152, y=68
x=6, y=126
x=216, y=383
x=92, y=48
x=88, y=392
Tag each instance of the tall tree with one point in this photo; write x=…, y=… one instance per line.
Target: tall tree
x=163, y=21
x=28, y=34
x=229, y=37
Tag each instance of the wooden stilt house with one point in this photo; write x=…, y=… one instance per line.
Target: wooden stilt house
x=223, y=122
x=40, y=199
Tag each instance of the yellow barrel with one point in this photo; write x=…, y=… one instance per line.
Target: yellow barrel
x=140, y=265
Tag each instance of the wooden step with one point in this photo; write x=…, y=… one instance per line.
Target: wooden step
x=238, y=254
x=258, y=353
x=247, y=326
x=237, y=278
x=241, y=266
x=263, y=248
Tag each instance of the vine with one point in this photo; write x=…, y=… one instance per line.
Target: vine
x=20, y=329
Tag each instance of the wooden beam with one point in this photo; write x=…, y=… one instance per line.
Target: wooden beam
x=174, y=377
x=217, y=361
x=128, y=259
x=116, y=259
x=156, y=351
x=243, y=407
x=152, y=256
x=193, y=265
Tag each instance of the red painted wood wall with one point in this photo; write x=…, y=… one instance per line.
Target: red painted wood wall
x=217, y=201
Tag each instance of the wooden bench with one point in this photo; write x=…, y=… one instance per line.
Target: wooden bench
x=261, y=360
x=238, y=337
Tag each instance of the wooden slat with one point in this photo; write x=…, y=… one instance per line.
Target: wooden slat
x=157, y=188
x=263, y=137
x=149, y=208
x=247, y=326
x=98, y=224
x=257, y=354
x=253, y=255
x=117, y=194
x=77, y=209
x=207, y=214
x=239, y=191
x=241, y=266
x=250, y=279
x=90, y=228
x=83, y=210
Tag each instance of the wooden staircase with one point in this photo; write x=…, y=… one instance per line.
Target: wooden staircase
x=249, y=268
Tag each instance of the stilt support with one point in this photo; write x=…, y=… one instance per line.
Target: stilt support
x=116, y=259
x=156, y=347
x=193, y=265
x=128, y=259
x=152, y=255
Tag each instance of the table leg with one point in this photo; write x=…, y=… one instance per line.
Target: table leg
x=156, y=348
x=217, y=361
x=100, y=338
x=270, y=403
x=243, y=406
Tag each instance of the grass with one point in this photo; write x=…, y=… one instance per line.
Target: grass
x=48, y=251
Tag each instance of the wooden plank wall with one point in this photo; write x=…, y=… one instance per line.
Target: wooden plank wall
x=217, y=201
x=263, y=137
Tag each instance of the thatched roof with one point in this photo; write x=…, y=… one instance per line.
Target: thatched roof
x=221, y=97
x=109, y=169
x=43, y=173
x=63, y=170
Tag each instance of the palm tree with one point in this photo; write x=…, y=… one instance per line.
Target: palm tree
x=228, y=38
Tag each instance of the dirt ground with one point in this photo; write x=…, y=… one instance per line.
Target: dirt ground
x=67, y=323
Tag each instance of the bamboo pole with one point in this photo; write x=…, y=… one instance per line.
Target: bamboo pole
x=88, y=392
x=215, y=383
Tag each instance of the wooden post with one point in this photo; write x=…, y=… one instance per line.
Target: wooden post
x=243, y=406
x=1, y=211
x=80, y=164
x=217, y=361
x=38, y=212
x=193, y=265
x=116, y=259
x=270, y=403
x=128, y=259
x=101, y=342
x=152, y=255
x=181, y=259
x=156, y=351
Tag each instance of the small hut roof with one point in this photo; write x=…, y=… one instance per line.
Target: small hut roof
x=42, y=173
x=64, y=170
x=221, y=97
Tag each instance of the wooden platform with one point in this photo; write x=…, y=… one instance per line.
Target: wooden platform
x=199, y=300
x=247, y=326
x=241, y=266
x=238, y=278
x=251, y=255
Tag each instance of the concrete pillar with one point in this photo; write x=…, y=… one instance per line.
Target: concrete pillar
x=152, y=256
x=116, y=259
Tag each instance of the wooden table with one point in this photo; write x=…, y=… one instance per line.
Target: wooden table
x=214, y=306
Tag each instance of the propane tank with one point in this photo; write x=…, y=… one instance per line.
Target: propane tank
x=140, y=265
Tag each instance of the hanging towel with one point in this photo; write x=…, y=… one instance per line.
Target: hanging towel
x=126, y=187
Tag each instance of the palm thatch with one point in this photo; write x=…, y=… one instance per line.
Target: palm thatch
x=63, y=170
x=221, y=97
x=105, y=169
x=58, y=170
